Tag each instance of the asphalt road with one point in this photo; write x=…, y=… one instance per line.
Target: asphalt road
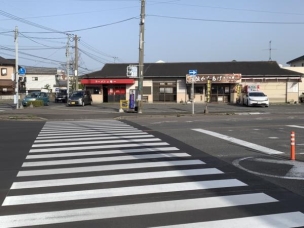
x=151, y=172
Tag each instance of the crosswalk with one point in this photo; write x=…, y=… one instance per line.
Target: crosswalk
x=115, y=175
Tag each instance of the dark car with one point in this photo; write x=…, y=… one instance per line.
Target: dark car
x=82, y=98
x=61, y=96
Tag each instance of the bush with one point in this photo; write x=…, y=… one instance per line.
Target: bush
x=37, y=103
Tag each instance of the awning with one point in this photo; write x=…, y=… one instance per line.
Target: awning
x=106, y=81
x=6, y=83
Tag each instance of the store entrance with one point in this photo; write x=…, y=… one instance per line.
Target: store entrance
x=220, y=93
x=114, y=93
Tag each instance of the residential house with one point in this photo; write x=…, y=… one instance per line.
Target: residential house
x=7, y=80
x=38, y=78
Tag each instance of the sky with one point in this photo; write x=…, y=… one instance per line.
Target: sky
x=175, y=31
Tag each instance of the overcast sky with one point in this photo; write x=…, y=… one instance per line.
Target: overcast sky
x=175, y=31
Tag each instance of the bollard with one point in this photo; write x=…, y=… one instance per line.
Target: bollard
x=292, y=146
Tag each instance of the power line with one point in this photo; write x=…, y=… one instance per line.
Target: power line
x=226, y=21
x=3, y=13
x=38, y=42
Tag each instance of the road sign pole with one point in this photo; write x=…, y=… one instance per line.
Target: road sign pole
x=16, y=69
x=192, y=89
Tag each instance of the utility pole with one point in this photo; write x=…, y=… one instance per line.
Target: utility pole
x=16, y=68
x=270, y=50
x=141, y=55
x=76, y=62
x=68, y=65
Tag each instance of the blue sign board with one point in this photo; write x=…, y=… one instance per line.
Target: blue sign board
x=22, y=71
x=132, y=101
x=193, y=72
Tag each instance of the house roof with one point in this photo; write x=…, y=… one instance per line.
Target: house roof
x=40, y=70
x=296, y=59
x=7, y=62
x=181, y=69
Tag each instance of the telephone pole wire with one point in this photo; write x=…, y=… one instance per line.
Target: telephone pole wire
x=16, y=69
x=141, y=55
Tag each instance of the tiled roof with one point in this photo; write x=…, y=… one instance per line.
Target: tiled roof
x=152, y=70
x=7, y=62
x=40, y=70
x=296, y=59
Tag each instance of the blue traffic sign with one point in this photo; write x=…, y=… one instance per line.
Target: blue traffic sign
x=193, y=72
x=22, y=71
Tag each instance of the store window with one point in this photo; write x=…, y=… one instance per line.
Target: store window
x=34, y=78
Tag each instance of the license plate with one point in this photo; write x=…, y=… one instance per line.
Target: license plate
x=72, y=102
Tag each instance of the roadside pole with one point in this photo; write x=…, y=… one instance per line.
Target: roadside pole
x=193, y=74
x=68, y=66
x=16, y=70
x=192, y=94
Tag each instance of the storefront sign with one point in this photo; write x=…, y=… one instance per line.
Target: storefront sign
x=215, y=78
x=106, y=81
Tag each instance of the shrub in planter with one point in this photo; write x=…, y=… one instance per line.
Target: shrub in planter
x=37, y=103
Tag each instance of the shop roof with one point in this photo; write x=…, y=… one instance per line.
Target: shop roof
x=181, y=69
x=296, y=59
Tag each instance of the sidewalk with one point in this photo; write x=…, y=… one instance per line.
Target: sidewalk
x=111, y=110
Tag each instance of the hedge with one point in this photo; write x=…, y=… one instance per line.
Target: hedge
x=37, y=103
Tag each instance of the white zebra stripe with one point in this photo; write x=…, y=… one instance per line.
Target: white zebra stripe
x=64, y=216
x=123, y=191
x=105, y=159
x=98, y=147
x=104, y=152
x=114, y=178
x=108, y=168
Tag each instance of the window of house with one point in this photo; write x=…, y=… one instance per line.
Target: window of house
x=34, y=78
x=302, y=64
x=3, y=71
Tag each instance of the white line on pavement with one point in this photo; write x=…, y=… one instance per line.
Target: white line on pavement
x=123, y=191
x=105, y=159
x=240, y=142
x=64, y=216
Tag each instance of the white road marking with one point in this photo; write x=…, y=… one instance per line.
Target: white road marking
x=283, y=220
x=114, y=178
x=69, y=129
x=105, y=159
x=296, y=173
x=86, y=135
x=94, y=138
x=87, y=131
x=240, y=142
x=104, y=152
x=122, y=191
x=64, y=216
x=108, y=167
x=98, y=147
x=273, y=137
x=295, y=126
x=96, y=142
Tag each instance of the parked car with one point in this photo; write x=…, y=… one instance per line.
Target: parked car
x=82, y=97
x=61, y=96
x=256, y=98
x=301, y=98
x=35, y=96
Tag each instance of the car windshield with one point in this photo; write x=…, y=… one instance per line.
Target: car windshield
x=32, y=95
x=77, y=94
x=257, y=95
